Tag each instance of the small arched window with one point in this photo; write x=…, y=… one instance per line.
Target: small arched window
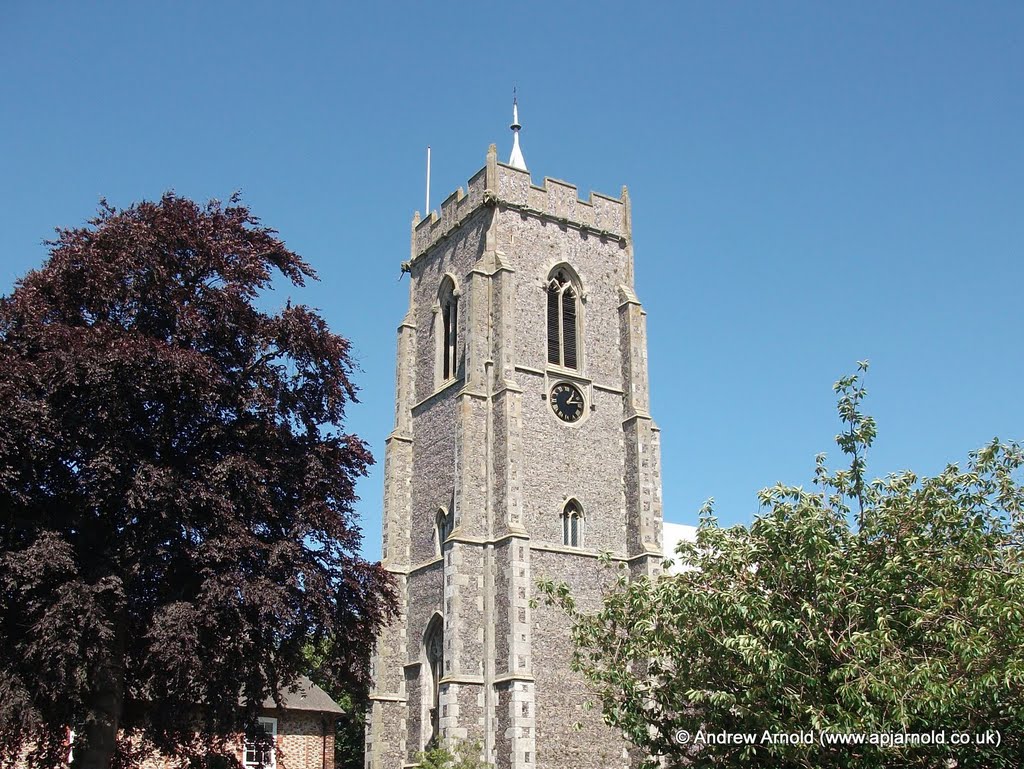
x=433, y=648
x=572, y=524
x=446, y=330
x=563, y=320
x=444, y=528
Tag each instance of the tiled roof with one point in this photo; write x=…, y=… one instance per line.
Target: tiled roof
x=305, y=695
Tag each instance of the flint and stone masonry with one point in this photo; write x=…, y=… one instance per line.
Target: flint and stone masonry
x=479, y=469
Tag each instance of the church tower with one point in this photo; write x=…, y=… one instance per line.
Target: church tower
x=523, y=448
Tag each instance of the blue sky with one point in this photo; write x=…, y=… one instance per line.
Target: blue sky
x=812, y=184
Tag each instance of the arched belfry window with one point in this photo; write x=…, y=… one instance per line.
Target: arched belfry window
x=433, y=648
x=563, y=319
x=444, y=528
x=572, y=524
x=446, y=330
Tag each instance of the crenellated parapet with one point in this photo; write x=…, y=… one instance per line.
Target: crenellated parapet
x=454, y=210
x=560, y=202
x=498, y=185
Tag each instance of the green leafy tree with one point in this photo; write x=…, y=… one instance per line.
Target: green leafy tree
x=176, y=490
x=354, y=700
x=452, y=755
x=890, y=607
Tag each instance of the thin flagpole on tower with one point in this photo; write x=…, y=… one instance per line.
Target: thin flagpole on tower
x=426, y=211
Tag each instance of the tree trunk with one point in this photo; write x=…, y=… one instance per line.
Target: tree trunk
x=96, y=747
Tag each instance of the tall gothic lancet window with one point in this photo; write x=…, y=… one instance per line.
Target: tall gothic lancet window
x=572, y=524
x=446, y=330
x=433, y=642
x=444, y=528
x=563, y=320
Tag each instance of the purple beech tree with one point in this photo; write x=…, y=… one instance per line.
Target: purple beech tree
x=176, y=490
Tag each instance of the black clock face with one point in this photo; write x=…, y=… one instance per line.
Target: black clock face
x=567, y=402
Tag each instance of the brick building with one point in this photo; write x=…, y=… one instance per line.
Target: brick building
x=523, y=447
x=302, y=729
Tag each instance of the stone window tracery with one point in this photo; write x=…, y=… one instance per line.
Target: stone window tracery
x=572, y=524
x=446, y=330
x=443, y=528
x=563, y=319
x=433, y=644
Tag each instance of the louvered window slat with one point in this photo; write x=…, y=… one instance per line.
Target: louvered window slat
x=454, y=338
x=554, y=351
x=446, y=368
x=569, y=327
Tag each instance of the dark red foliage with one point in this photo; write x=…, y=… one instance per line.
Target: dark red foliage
x=176, y=495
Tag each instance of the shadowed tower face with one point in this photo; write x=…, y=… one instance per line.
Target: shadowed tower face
x=523, y=447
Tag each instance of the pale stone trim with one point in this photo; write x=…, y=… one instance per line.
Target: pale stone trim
x=435, y=561
x=490, y=199
x=568, y=374
x=528, y=370
x=462, y=678
x=582, y=227
x=505, y=678
x=455, y=536
x=549, y=547
x=638, y=416
x=508, y=387
x=563, y=372
x=444, y=386
x=388, y=698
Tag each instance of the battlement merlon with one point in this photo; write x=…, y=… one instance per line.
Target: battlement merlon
x=502, y=186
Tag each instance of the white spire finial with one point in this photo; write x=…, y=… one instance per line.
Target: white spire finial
x=516, y=160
